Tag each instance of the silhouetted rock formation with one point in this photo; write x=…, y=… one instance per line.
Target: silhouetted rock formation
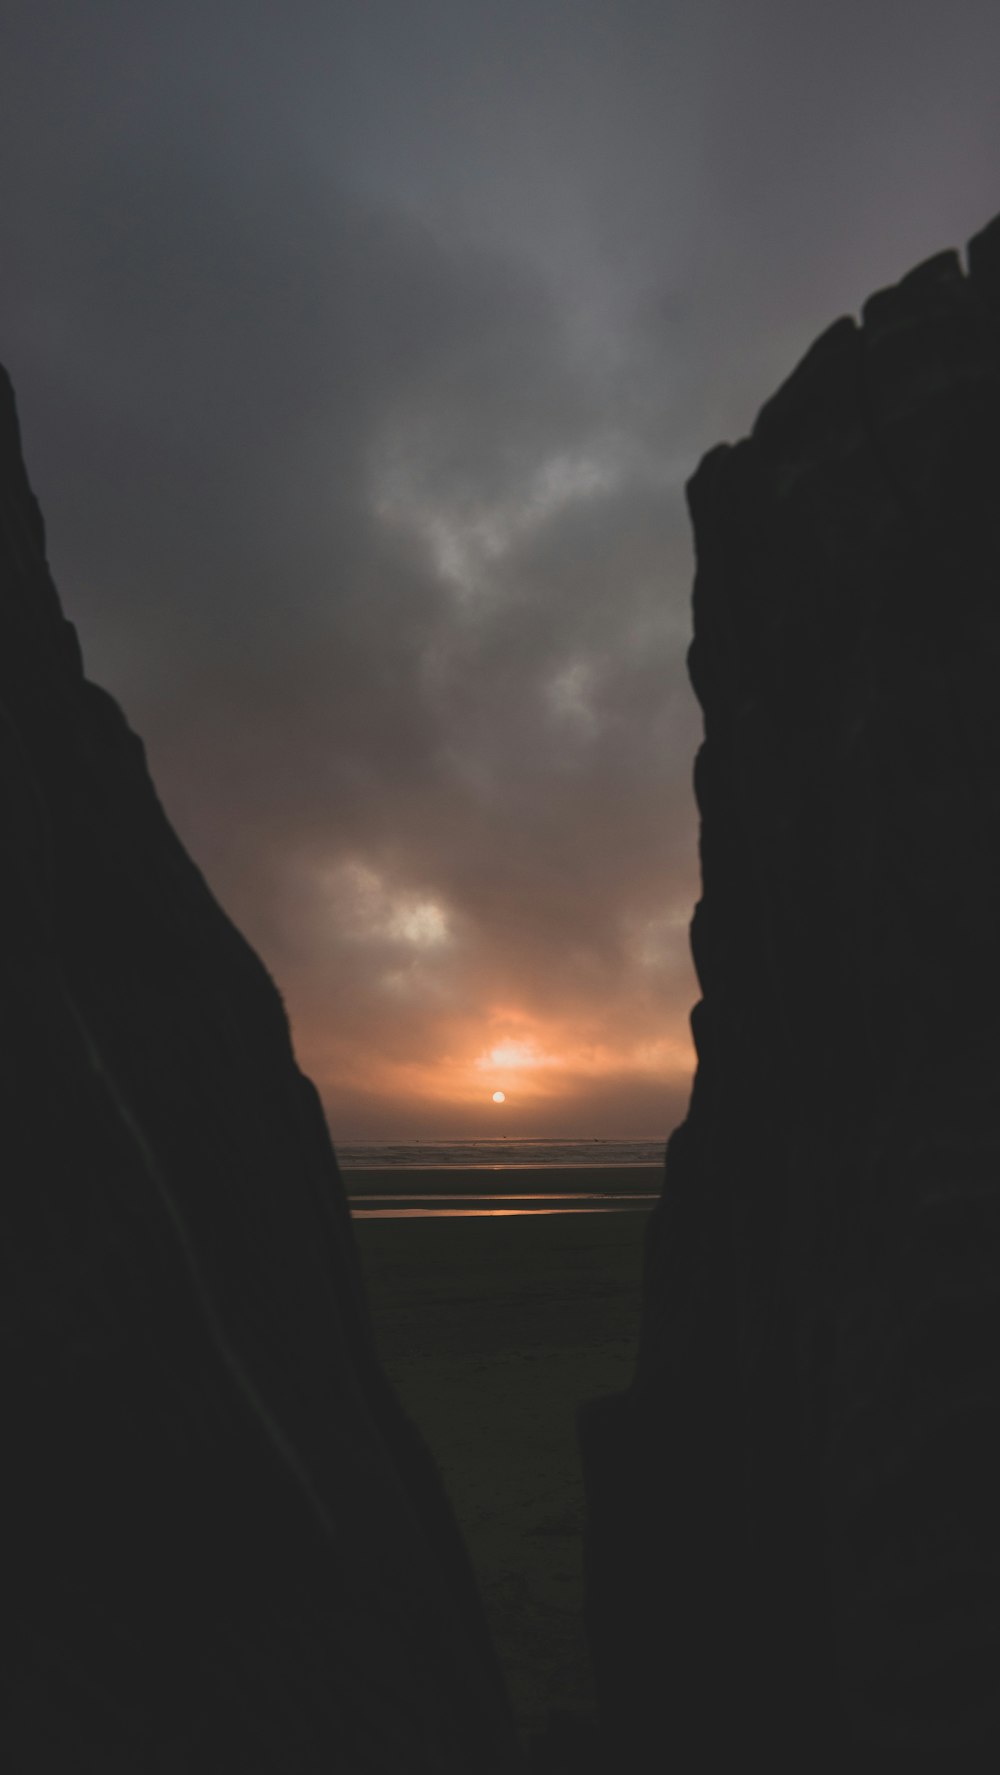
x=794, y=1549
x=227, y=1550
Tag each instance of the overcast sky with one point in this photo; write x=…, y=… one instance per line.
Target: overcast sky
x=362, y=352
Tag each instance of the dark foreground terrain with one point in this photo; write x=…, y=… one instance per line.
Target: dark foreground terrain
x=492, y=1332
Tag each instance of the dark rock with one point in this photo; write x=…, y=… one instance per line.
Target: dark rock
x=794, y=1538
x=227, y=1549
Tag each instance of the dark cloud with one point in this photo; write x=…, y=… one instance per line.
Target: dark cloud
x=362, y=355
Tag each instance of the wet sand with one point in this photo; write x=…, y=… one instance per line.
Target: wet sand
x=461, y=1180
x=493, y=1330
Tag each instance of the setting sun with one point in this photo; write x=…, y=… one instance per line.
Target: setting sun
x=499, y=1096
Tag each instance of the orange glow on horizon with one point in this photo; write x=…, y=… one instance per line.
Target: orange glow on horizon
x=538, y=1061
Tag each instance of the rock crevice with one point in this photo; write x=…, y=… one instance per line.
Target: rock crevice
x=229, y=1548
x=794, y=1548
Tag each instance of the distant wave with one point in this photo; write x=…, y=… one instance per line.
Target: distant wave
x=441, y=1154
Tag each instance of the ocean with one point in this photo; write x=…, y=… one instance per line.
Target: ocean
x=423, y=1178
x=508, y=1151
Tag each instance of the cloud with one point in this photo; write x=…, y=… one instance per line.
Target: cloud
x=362, y=359
x=387, y=603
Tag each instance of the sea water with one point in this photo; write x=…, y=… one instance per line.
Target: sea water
x=442, y=1154
x=421, y=1178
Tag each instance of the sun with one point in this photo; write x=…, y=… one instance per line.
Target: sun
x=499, y=1096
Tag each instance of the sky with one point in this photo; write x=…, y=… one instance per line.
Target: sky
x=362, y=352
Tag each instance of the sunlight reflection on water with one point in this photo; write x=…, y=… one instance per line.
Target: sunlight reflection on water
x=582, y=1195
x=607, y=1205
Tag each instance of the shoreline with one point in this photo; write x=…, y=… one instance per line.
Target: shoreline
x=487, y=1180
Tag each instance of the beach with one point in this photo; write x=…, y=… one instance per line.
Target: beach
x=493, y=1329
x=490, y=1188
